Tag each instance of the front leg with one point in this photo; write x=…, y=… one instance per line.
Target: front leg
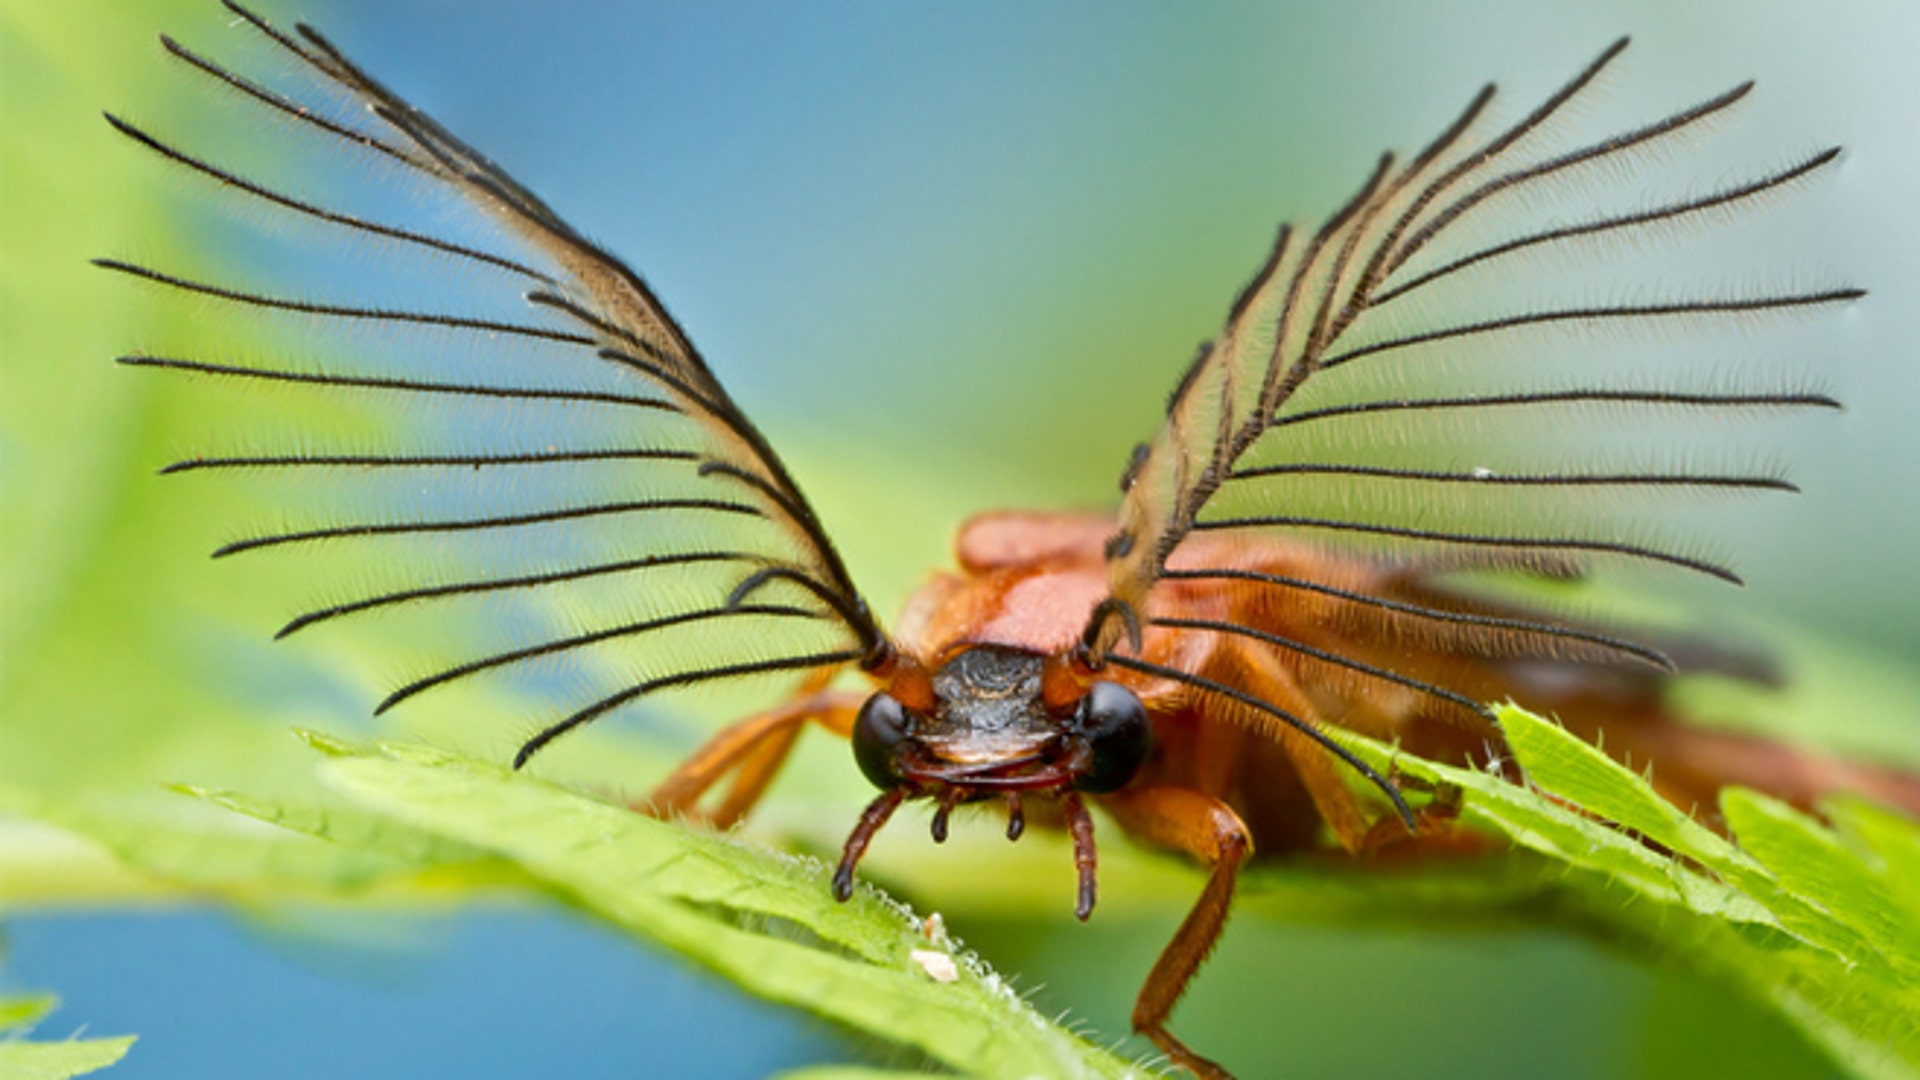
x=753, y=749
x=1209, y=830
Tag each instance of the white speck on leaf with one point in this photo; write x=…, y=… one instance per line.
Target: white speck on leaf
x=938, y=965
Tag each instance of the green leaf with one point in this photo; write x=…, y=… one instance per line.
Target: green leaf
x=847, y=1073
x=1890, y=837
x=187, y=849
x=1817, y=924
x=1817, y=865
x=764, y=921
x=24, y=1060
x=1588, y=778
x=59, y=1060
x=26, y=1011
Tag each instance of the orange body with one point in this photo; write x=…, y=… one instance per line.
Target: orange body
x=1029, y=580
x=1223, y=782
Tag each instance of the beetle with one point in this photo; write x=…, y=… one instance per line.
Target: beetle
x=1174, y=665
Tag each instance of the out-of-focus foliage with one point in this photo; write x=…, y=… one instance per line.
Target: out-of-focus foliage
x=30, y=1059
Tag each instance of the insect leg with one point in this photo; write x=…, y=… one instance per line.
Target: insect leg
x=754, y=773
x=753, y=749
x=1263, y=673
x=1260, y=672
x=1209, y=830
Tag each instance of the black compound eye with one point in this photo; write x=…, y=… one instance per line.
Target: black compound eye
x=1115, y=726
x=877, y=733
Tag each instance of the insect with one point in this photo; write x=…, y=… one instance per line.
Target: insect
x=1277, y=565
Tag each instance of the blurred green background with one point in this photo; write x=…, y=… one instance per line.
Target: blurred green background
x=950, y=260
